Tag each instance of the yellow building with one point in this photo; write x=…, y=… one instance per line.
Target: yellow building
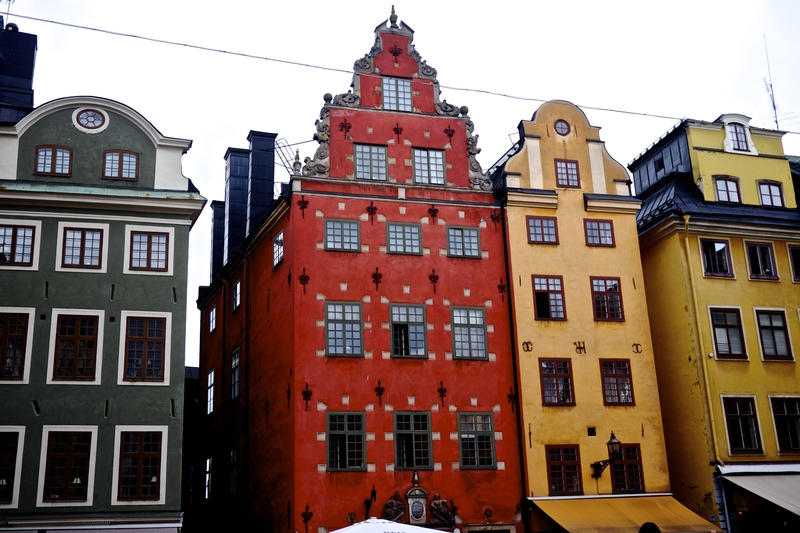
x=587, y=377
x=720, y=237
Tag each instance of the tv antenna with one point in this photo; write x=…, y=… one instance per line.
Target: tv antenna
x=770, y=91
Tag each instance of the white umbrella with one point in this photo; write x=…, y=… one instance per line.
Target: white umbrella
x=378, y=525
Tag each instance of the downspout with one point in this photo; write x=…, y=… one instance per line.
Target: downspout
x=520, y=433
x=246, y=408
x=699, y=337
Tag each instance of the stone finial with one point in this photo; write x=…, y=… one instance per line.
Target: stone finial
x=297, y=165
x=327, y=97
x=393, y=18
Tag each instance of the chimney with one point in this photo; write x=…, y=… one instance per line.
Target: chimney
x=217, y=237
x=260, y=185
x=17, y=60
x=237, y=162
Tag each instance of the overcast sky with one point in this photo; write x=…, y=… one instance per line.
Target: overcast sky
x=696, y=59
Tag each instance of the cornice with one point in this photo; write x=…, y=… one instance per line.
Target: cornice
x=625, y=205
x=531, y=199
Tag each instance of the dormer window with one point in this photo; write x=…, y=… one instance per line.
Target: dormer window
x=737, y=134
x=55, y=160
x=119, y=164
x=396, y=94
x=738, y=137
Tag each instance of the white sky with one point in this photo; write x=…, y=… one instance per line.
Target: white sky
x=695, y=59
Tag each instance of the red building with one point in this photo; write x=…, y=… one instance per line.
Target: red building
x=356, y=345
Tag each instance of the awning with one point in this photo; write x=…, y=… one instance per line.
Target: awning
x=623, y=515
x=780, y=489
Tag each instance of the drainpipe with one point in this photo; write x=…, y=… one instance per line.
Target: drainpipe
x=246, y=407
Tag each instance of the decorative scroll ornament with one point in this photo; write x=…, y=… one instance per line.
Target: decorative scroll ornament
x=363, y=65
x=445, y=109
x=427, y=72
x=320, y=165
x=347, y=99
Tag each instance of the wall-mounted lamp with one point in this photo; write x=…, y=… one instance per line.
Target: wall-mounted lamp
x=614, y=454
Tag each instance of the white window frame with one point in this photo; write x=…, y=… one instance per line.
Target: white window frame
x=43, y=466
x=770, y=397
x=212, y=319
x=210, y=392
x=26, y=368
x=51, y=355
x=20, y=431
x=162, y=489
x=745, y=344
x=105, y=240
x=786, y=315
x=123, y=326
x=130, y=229
x=237, y=295
x=235, y=375
x=277, y=249
x=743, y=121
x=37, y=242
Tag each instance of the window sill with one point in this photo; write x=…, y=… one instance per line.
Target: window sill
x=787, y=359
x=764, y=278
x=719, y=276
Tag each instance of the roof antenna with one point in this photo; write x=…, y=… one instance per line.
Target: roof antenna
x=770, y=91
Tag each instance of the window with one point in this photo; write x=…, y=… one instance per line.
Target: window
x=626, y=471
x=787, y=423
x=16, y=245
x=727, y=190
x=412, y=440
x=212, y=319
x=761, y=259
x=120, y=164
x=370, y=162
x=740, y=417
x=208, y=478
x=346, y=442
x=75, y=347
x=548, y=298
x=738, y=137
x=237, y=295
x=771, y=193
x=607, y=298
x=149, y=251
x=428, y=166
x=235, y=373
x=343, y=328
x=234, y=470
x=277, y=249
x=469, y=332
x=476, y=440
x=562, y=127
x=210, y=392
x=408, y=330
x=542, y=230
x=140, y=466
x=82, y=248
x=728, y=335
x=342, y=235
x=144, y=349
x=11, y=443
x=55, y=160
x=66, y=473
x=556, y=376
x=396, y=94
x=774, y=335
x=567, y=173
x=617, y=381
x=716, y=258
x=404, y=239
x=463, y=242
x=13, y=343
x=599, y=232
x=563, y=470
x=794, y=259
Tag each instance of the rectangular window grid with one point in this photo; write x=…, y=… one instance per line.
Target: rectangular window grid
x=728, y=336
x=727, y=190
x=542, y=230
x=548, y=298
x=140, y=466
x=787, y=423
x=82, y=248
x=627, y=472
x=404, y=239
x=370, y=162
x=120, y=164
x=235, y=373
x=13, y=341
x=556, y=375
x=346, y=441
x=567, y=173
x=144, y=349
x=476, y=438
x=149, y=251
x=237, y=295
x=16, y=245
x=408, y=330
x=738, y=137
x=774, y=335
x=794, y=259
x=76, y=347
x=771, y=194
x=563, y=470
x=212, y=319
x=412, y=440
x=428, y=166
x=463, y=242
x=617, y=381
x=210, y=393
x=343, y=328
x=396, y=94
x=209, y=464
x=607, y=298
x=716, y=258
x=277, y=249
x=53, y=160
x=469, y=333
x=743, y=435
x=599, y=232
x=342, y=235
x=9, y=441
x=761, y=259
x=67, y=467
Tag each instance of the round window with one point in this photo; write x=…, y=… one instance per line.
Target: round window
x=91, y=119
x=562, y=127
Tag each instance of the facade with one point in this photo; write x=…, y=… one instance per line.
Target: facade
x=94, y=226
x=355, y=345
x=587, y=375
x=720, y=239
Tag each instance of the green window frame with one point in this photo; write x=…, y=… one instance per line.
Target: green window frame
x=407, y=324
x=344, y=329
x=347, y=438
x=370, y=162
x=413, y=441
x=343, y=235
x=468, y=326
x=404, y=238
x=429, y=166
x=476, y=441
x=396, y=94
x=463, y=242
